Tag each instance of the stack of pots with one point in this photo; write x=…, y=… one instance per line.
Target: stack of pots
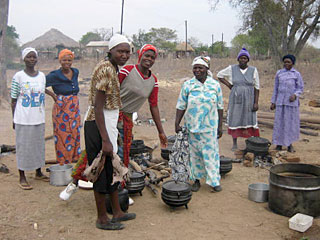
x=136, y=184
x=137, y=146
x=225, y=165
x=123, y=200
x=165, y=152
x=140, y=153
x=258, y=145
x=176, y=194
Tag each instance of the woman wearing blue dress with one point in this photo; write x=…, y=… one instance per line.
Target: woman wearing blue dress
x=200, y=103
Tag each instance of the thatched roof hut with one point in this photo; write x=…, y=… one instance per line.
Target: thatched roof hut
x=181, y=47
x=51, y=40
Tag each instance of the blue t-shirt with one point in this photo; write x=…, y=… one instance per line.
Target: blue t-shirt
x=61, y=85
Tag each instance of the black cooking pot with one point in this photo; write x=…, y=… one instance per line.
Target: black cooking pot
x=136, y=184
x=257, y=145
x=137, y=146
x=165, y=152
x=176, y=194
x=123, y=200
x=225, y=165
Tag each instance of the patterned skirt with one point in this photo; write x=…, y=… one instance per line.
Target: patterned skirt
x=66, y=128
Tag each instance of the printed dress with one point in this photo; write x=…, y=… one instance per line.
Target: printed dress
x=201, y=102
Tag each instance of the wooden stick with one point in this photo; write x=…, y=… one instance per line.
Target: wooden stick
x=155, y=165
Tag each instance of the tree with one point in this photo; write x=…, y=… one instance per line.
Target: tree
x=162, y=38
x=288, y=23
x=12, y=47
x=194, y=42
x=104, y=33
x=90, y=36
x=4, y=9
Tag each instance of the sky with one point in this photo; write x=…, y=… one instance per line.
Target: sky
x=74, y=18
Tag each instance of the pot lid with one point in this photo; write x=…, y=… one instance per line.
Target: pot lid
x=258, y=140
x=137, y=175
x=176, y=186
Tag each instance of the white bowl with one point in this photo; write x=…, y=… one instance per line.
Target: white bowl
x=300, y=222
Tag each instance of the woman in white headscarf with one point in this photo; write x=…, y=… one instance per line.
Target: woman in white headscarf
x=28, y=96
x=200, y=102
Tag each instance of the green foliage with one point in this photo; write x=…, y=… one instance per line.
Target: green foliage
x=162, y=38
x=90, y=36
x=12, y=48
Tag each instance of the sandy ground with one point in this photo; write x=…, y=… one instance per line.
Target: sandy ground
x=40, y=214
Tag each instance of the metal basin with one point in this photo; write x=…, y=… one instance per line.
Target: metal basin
x=258, y=192
x=60, y=175
x=295, y=188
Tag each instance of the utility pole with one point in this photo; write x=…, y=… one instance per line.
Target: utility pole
x=212, y=41
x=122, y=16
x=186, y=36
x=222, y=44
x=4, y=10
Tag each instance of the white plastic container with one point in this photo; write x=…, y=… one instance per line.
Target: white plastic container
x=300, y=222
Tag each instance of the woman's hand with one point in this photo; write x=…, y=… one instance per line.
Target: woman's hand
x=107, y=149
x=273, y=106
x=220, y=132
x=163, y=140
x=292, y=98
x=255, y=107
x=177, y=128
x=54, y=97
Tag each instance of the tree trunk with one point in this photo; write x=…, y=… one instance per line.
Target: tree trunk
x=4, y=9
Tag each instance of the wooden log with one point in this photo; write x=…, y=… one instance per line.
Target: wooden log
x=314, y=103
x=310, y=126
x=151, y=187
x=269, y=124
x=303, y=117
x=135, y=166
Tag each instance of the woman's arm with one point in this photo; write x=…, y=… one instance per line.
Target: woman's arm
x=13, y=108
x=256, y=100
x=51, y=94
x=179, y=116
x=220, y=115
x=275, y=92
x=225, y=82
x=299, y=85
x=156, y=118
x=100, y=99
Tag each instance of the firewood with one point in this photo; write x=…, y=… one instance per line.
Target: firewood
x=135, y=166
x=151, y=187
x=314, y=103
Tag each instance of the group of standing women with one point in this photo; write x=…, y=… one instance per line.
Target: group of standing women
x=116, y=94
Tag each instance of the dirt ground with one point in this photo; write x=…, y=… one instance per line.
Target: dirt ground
x=40, y=214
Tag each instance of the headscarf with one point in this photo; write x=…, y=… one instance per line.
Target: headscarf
x=116, y=40
x=205, y=61
x=243, y=52
x=65, y=52
x=291, y=57
x=27, y=50
x=146, y=48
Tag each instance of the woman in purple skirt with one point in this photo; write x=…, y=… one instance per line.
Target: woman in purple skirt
x=288, y=87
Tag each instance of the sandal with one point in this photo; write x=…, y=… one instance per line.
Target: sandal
x=125, y=217
x=43, y=178
x=110, y=226
x=25, y=186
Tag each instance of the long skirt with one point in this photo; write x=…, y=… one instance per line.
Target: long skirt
x=286, y=129
x=204, y=157
x=30, y=146
x=244, y=132
x=66, y=127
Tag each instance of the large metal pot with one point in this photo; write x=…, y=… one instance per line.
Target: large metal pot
x=136, y=184
x=257, y=145
x=295, y=188
x=225, y=165
x=176, y=194
x=60, y=175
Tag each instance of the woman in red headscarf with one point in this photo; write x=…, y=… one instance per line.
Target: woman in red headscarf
x=65, y=112
x=137, y=85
